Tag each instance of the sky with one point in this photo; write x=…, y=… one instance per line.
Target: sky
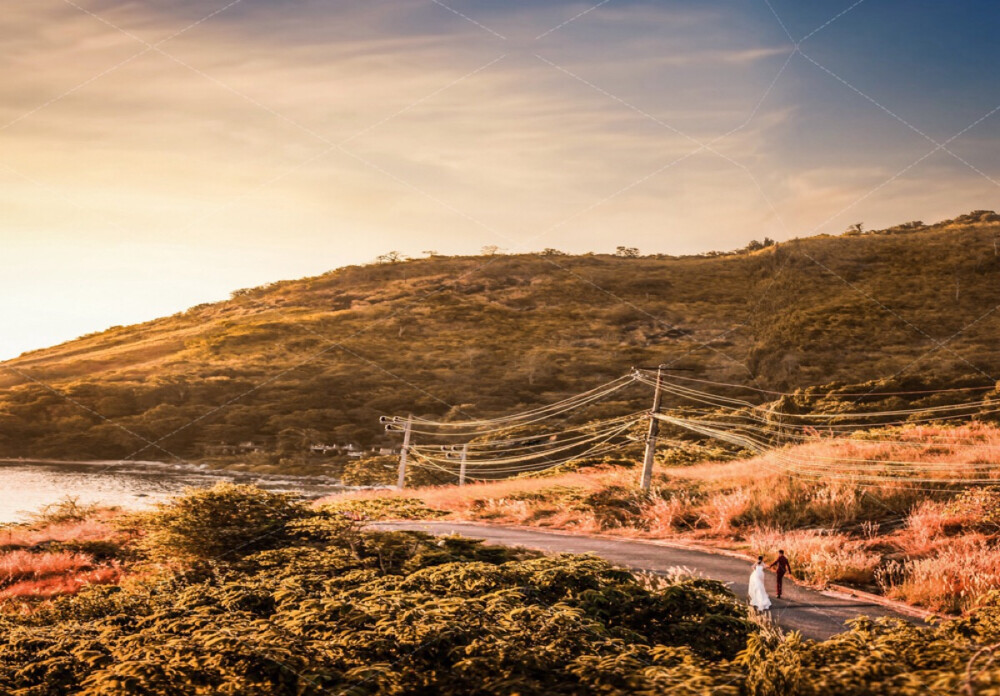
x=157, y=154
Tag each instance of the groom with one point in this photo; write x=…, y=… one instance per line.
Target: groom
x=780, y=567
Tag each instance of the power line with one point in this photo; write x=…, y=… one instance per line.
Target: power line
x=493, y=447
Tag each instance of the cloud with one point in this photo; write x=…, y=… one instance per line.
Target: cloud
x=295, y=137
x=737, y=57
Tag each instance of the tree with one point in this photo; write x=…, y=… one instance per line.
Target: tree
x=390, y=257
x=490, y=250
x=855, y=229
x=754, y=245
x=627, y=252
x=549, y=251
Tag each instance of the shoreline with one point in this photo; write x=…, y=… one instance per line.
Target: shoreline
x=86, y=462
x=153, y=467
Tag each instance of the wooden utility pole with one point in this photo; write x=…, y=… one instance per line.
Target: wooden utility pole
x=461, y=470
x=654, y=425
x=401, y=483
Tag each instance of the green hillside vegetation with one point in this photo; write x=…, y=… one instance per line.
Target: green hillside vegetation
x=318, y=360
x=236, y=591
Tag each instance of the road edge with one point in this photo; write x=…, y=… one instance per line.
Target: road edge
x=832, y=590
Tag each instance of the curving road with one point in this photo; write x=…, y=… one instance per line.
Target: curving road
x=814, y=614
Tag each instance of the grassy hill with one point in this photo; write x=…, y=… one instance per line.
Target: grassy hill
x=320, y=359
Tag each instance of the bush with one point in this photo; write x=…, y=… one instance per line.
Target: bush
x=887, y=656
x=384, y=471
x=980, y=506
x=69, y=509
x=221, y=523
x=383, y=509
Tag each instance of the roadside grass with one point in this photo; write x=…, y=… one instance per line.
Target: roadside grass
x=931, y=544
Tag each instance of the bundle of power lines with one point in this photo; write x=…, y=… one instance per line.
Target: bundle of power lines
x=865, y=445
x=494, y=448
x=869, y=446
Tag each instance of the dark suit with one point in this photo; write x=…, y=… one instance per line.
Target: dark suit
x=781, y=566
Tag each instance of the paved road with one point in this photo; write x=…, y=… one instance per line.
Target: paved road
x=815, y=614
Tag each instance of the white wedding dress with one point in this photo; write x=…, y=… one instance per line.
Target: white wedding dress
x=758, y=593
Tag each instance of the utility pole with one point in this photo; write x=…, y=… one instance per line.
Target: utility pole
x=401, y=484
x=654, y=425
x=461, y=470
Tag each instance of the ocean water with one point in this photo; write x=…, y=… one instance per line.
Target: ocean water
x=27, y=486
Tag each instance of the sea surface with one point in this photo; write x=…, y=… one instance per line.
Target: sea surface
x=27, y=486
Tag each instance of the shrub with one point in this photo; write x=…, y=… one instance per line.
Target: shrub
x=978, y=507
x=383, y=471
x=224, y=522
x=383, y=509
x=887, y=656
x=69, y=509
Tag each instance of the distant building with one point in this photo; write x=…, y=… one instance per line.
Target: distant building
x=352, y=450
x=224, y=449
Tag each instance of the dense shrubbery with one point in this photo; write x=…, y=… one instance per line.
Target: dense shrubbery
x=390, y=508
x=325, y=607
x=330, y=608
x=384, y=471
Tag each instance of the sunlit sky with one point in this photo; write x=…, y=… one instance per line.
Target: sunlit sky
x=155, y=154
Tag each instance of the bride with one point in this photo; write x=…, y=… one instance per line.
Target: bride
x=758, y=594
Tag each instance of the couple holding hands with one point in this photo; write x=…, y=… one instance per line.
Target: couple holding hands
x=758, y=592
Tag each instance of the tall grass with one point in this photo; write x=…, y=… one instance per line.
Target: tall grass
x=66, y=547
x=76, y=531
x=25, y=573
x=54, y=585
x=950, y=580
x=929, y=544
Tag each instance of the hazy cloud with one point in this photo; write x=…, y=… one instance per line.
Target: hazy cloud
x=283, y=138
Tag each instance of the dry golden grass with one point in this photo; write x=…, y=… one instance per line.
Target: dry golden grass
x=28, y=574
x=822, y=557
x=21, y=564
x=914, y=540
x=949, y=580
x=463, y=499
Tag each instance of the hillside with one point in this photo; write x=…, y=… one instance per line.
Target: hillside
x=320, y=359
